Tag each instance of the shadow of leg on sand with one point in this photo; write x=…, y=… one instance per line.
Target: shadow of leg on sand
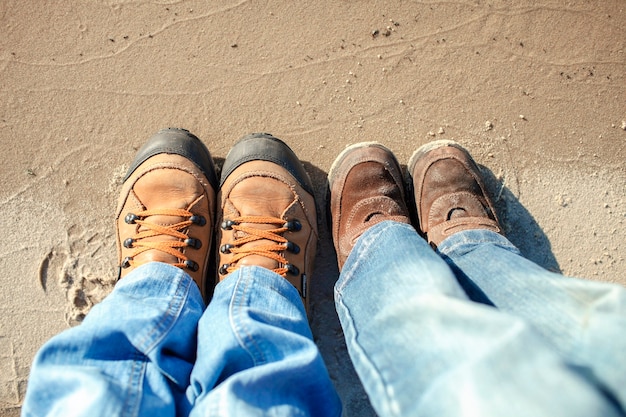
x=519, y=225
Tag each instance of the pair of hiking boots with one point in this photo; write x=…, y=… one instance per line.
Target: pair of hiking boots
x=262, y=210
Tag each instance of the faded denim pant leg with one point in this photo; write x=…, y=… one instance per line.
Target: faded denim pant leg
x=149, y=349
x=551, y=346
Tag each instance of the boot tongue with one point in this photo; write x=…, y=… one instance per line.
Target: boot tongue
x=160, y=189
x=251, y=198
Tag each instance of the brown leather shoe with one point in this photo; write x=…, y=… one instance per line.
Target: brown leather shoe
x=268, y=216
x=366, y=188
x=449, y=192
x=166, y=209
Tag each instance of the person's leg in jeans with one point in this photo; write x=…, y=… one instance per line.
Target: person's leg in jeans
x=581, y=320
x=256, y=354
x=134, y=352
x=251, y=352
x=419, y=345
x=254, y=342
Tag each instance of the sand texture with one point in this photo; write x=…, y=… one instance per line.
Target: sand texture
x=536, y=90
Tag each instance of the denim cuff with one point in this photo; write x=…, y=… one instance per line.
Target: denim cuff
x=157, y=279
x=466, y=241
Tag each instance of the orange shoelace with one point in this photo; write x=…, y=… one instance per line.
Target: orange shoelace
x=273, y=250
x=171, y=247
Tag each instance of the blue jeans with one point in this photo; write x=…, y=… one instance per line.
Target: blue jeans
x=553, y=346
x=537, y=344
x=150, y=349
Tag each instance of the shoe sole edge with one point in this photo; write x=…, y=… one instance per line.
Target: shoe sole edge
x=176, y=141
x=430, y=146
x=348, y=149
x=266, y=147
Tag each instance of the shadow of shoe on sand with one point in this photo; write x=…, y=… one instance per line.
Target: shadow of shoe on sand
x=519, y=225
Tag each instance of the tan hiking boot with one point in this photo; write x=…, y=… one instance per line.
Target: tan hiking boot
x=366, y=188
x=166, y=209
x=268, y=216
x=449, y=192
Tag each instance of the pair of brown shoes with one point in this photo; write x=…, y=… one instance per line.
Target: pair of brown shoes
x=367, y=187
x=266, y=217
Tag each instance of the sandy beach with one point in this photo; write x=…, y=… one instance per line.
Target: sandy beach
x=536, y=90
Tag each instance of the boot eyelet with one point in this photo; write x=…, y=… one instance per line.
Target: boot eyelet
x=194, y=243
x=227, y=224
x=293, y=225
x=224, y=269
x=292, y=247
x=292, y=269
x=131, y=218
x=226, y=248
x=191, y=265
x=199, y=220
x=126, y=262
x=128, y=243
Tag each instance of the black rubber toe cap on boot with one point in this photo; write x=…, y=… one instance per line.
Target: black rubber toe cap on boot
x=265, y=147
x=179, y=142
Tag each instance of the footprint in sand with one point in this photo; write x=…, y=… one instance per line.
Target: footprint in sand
x=81, y=267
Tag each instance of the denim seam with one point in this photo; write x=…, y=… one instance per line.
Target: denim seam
x=377, y=375
x=132, y=402
x=449, y=249
x=244, y=336
x=454, y=246
x=369, y=238
x=169, y=317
